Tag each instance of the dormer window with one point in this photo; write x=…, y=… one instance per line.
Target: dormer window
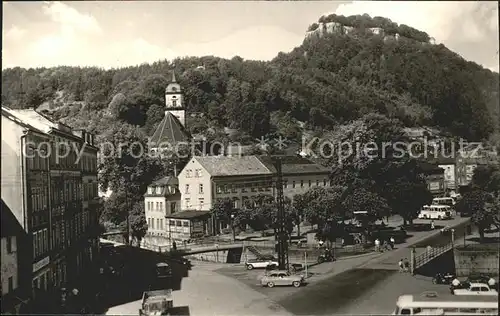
x=150, y=190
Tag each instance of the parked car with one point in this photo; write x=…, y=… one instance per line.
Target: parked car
x=443, y=278
x=476, y=289
x=259, y=264
x=282, y=278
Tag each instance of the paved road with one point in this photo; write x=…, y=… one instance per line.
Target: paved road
x=205, y=292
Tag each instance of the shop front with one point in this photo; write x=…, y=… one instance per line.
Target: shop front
x=187, y=225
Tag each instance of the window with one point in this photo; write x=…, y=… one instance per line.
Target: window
x=201, y=202
x=219, y=189
x=172, y=207
x=197, y=173
x=11, y=284
x=174, y=103
x=150, y=190
x=405, y=311
x=9, y=244
x=201, y=188
x=226, y=188
x=185, y=223
x=157, y=206
x=189, y=173
x=35, y=250
x=187, y=188
x=243, y=188
x=233, y=188
x=161, y=223
x=188, y=203
x=157, y=223
x=149, y=222
x=152, y=223
x=161, y=206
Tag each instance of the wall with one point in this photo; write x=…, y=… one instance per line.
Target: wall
x=194, y=181
x=9, y=265
x=215, y=256
x=288, y=189
x=442, y=264
x=155, y=214
x=12, y=190
x=477, y=259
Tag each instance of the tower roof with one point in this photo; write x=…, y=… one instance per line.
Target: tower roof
x=170, y=132
x=173, y=86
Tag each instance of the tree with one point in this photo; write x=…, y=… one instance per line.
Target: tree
x=474, y=202
x=487, y=178
x=222, y=210
x=138, y=224
x=361, y=200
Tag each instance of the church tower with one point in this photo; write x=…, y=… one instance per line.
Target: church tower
x=174, y=101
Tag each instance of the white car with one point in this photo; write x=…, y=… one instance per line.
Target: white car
x=476, y=289
x=260, y=264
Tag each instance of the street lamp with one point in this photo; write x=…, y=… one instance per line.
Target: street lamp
x=232, y=227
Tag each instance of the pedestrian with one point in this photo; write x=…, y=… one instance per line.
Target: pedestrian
x=432, y=225
x=400, y=264
x=174, y=245
x=406, y=265
x=393, y=242
x=491, y=283
x=377, y=245
x=321, y=242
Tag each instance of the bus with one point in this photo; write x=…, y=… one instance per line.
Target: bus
x=429, y=303
x=436, y=212
x=444, y=201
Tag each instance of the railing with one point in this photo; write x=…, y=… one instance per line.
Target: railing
x=430, y=254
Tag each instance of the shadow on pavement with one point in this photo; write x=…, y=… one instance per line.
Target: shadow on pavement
x=329, y=295
x=180, y=311
x=135, y=274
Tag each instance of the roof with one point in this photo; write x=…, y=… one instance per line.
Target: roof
x=233, y=166
x=169, y=132
x=188, y=214
x=165, y=180
x=294, y=165
x=10, y=226
x=10, y=114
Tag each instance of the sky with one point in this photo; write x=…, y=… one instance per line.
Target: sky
x=124, y=33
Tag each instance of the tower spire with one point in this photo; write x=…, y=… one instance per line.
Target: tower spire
x=173, y=76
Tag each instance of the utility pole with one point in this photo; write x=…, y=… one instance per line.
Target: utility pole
x=281, y=235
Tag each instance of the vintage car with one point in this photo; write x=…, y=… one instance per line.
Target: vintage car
x=260, y=264
x=282, y=278
x=476, y=289
x=156, y=303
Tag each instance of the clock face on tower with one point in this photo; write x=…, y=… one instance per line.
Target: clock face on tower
x=174, y=89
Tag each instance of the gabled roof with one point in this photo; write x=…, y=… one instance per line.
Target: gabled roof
x=294, y=165
x=170, y=132
x=165, y=180
x=218, y=166
x=11, y=115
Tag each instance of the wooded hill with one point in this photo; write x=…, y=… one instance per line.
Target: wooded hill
x=323, y=82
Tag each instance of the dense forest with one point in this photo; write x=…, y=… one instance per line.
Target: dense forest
x=324, y=82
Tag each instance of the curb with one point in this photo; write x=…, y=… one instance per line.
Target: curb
x=359, y=256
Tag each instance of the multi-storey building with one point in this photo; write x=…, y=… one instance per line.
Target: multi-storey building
x=162, y=198
x=12, y=232
x=204, y=180
x=25, y=191
x=48, y=181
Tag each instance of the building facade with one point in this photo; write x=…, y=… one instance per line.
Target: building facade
x=204, y=180
x=434, y=176
x=162, y=198
x=45, y=178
